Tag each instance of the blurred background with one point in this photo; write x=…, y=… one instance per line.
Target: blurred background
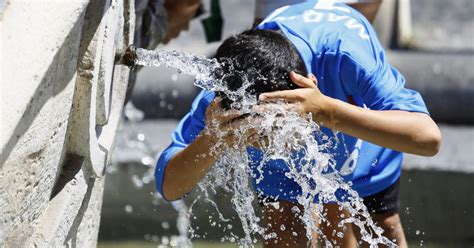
x=430, y=41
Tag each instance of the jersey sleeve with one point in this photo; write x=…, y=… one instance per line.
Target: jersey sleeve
x=377, y=84
x=187, y=130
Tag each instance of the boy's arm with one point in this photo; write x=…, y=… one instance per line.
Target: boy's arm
x=400, y=130
x=188, y=166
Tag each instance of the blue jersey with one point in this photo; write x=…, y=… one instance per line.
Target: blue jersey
x=341, y=49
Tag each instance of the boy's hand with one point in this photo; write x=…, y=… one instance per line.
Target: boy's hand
x=308, y=99
x=399, y=130
x=225, y=124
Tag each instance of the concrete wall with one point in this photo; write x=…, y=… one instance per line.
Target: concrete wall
x=61, y=104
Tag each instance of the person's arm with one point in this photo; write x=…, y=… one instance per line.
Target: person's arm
x=188, y=166
x=400, y=130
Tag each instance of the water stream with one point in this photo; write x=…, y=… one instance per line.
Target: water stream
x=286, y=134
x=201, y=68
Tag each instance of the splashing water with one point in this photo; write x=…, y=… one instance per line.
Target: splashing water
x=290, y=133
x=199, y=67
x=285, y=133
x=136, y=140
x=206, y=72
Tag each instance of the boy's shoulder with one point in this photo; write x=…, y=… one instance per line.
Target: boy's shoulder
x=319, y=16
x=318, y=28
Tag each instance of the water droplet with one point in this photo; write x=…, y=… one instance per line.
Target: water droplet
x=128, y=209
x=165, y=240
x=147, y=160
x=174, y=77
x=295, y=210
x=137, y=181
x=175, y=93
x=282, y=227
x=417, y=232
x=173, y=242
x=374, y=163
x=141, y=137
x=165, y=225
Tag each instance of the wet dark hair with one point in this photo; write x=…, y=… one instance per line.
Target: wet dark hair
x=263, y=57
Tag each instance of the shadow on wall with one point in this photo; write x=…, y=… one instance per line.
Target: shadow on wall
x=73, y=164
x=56, y=78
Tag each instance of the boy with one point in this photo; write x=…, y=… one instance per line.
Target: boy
x=356, y=92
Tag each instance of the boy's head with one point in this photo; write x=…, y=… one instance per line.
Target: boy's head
x=261, y=59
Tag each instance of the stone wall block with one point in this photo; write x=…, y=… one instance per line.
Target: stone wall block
x=119, y=80
x=82, y=133
x=37, y=77
x=99, y=86
x=85, y=229
x=64, y=99
x=63, y=207
x=112, y=40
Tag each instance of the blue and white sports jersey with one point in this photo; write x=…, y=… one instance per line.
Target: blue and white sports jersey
x=338, y=46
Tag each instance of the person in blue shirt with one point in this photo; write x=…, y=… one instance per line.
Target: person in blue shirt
x=355, y=91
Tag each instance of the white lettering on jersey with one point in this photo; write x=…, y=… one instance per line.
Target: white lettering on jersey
x=335, y=18
x=353, y=24
x=350, y=163
x=312, y=16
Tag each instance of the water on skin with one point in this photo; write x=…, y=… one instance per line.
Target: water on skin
x=286, y=132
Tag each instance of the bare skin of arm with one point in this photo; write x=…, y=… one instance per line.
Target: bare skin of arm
x=187, y=167
x=414, y=133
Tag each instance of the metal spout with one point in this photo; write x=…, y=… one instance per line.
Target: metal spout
x=126, y=56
